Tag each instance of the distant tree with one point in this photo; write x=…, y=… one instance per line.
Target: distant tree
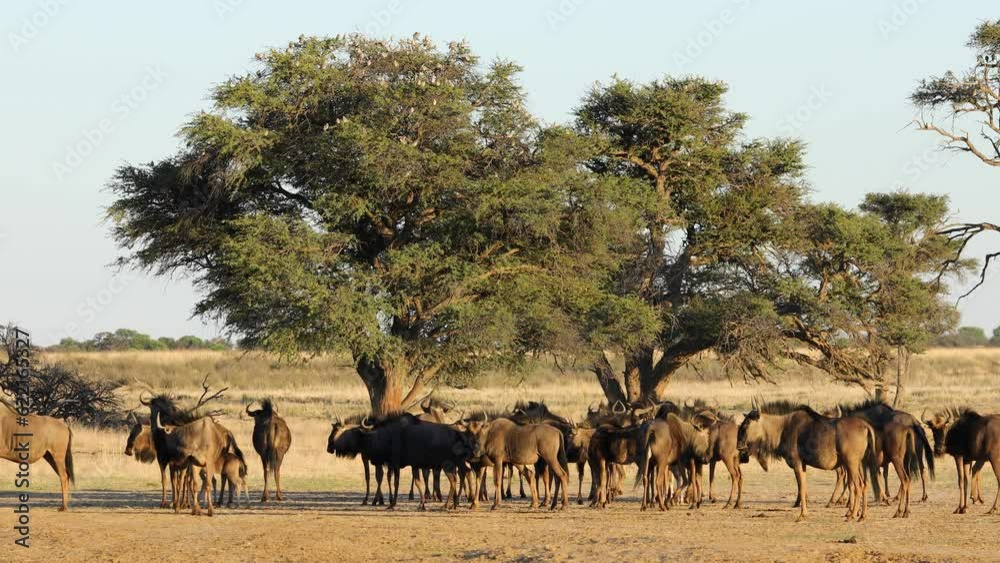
x=964, y=337
x=969, y=98
x=995, y=339
x=168, y=343
x=391, y=199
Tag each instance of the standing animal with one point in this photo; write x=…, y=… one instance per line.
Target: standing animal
x=199, y=444
x=440, y=447
x=271, y=439
x=804, y=438
x=347, y=440
x=972, y=440
x=234, y=472
x=722, y=431
x=664, y=443
x=505, y=441
x=611, y=447
x=43, y=437
x=902, y=443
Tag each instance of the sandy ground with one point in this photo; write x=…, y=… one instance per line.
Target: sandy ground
x=333, y=526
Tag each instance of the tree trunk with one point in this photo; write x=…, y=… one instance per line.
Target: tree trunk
x=608, y=381
x=902, y=376
x=384, y=380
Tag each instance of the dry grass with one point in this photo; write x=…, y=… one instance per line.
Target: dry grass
x=310, y=394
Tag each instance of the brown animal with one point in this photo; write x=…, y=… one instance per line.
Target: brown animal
x=140, y=446
x=611, y=447
x=43, y=437
x=665, y=443
x=199, y=444
x=722, y=433
x=234, y=472
x=271, y=439
x=972, y=440
x=505, y=441
x=577, y=449
x=805, y=438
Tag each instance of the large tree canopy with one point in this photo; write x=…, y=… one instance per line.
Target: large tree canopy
x=393, y=200
x=734, y=259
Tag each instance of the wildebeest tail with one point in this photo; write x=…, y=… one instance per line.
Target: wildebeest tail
x=563, y=459
x=69, y=458
x=871, y=462
x=923, y=447
x=231, y=443
x=643, y=454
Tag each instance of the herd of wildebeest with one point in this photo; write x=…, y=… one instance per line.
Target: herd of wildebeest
x=668, y=443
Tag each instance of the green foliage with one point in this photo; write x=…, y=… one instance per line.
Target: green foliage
x=391, y=199
x=967, y=337
x=128, y=339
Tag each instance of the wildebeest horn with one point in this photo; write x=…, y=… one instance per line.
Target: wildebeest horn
x=619, y=408
x=249, y=412
x=365, y=424
x=425, y=405
x=145, y=403
x=591, y=410
x=689, y=403
x=340, y=419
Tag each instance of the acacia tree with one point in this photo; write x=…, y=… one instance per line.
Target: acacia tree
x=734, y=259
x=968, y=98
x=394, y=200
x=719, y=204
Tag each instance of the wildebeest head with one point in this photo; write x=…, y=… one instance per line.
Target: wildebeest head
x=345, y=438
x=939, y=424
x=750, y=432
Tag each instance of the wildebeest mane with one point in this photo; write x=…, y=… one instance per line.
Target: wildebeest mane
x=781, y=406
x=170, y=413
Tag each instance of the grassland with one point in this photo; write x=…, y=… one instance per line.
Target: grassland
x=115, y=494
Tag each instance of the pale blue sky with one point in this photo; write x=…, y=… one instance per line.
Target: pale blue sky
x=845, y=68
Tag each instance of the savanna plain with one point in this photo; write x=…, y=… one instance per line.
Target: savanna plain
x=114, y=514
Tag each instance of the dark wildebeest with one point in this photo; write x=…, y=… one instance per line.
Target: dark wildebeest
x=435, y=446
x=505, y=441
x=901, y=442
x=347, y=440
x=615, y=443
x=434, y=410
x=664, y=443
x=48, y=438
x=804, y=438
x=972, y=440
x=271, y=439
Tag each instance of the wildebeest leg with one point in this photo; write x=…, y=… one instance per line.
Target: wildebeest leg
x=836, y=487
x=696, y=484
x=498, y=471
x=395, y=486
x=800, y=480
x=903, y=508
x=222, y=490
x=277, y=477
x=960, y=468
x=412, y=483
x=163, y=485
x=528, y=475
x=734, y=478
x=597, y=471
x=579, y=488
x=206, y=481
x=454, y=477
x=364, y=461
x=995, y=463
x=417, y=480
x=508, y=475
x=263, y=462
x=977, y=491
x=711, y=483
x=437, y=485
x=480, y=480
x=59, y=466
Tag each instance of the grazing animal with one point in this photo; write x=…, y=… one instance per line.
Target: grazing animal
x=505, y=441
x=805, y=438
x=271, y=439
x=972, y=440
x=665, y=443
x=43, y=437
